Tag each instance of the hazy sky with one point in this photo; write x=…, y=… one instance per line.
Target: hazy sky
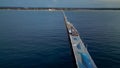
x=61, y=3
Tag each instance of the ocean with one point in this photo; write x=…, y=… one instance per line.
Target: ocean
x=38, y=39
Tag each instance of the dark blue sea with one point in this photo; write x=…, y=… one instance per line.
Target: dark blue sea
x=38, y=39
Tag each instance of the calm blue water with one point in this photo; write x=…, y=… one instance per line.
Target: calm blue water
x=38, y=39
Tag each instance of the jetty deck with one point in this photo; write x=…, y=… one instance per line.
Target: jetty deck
x=81, y=55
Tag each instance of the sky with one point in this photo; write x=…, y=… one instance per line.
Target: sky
x=62, y=3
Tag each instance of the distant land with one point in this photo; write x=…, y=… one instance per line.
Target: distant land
x=39, y=8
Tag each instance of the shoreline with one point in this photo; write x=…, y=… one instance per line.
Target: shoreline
x=54, y=9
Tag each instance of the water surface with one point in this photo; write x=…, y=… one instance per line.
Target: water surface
x=33, y=39
x=100, y=31
x=38, y=39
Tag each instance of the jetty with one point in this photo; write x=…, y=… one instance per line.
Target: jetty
x=80, y=52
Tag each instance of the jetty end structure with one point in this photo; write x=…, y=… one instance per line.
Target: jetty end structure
x=80, y=52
